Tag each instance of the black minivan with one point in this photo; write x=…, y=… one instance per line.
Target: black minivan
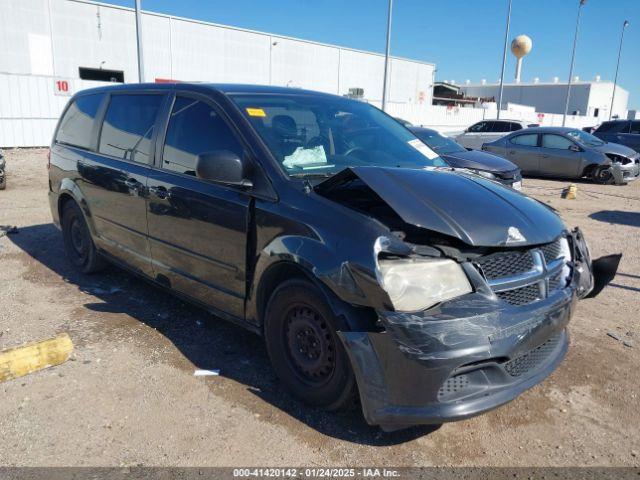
x=370, y=268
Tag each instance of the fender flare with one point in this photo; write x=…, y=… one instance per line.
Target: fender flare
x=297, y=256
x=68, y=188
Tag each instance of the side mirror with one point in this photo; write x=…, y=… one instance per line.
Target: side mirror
x=223, y=166
x=575, y=148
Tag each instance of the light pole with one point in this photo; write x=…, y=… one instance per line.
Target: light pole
x=504, y=58
x=573, y=57
x=386, y=57
x=615, y=80
x=139, y=38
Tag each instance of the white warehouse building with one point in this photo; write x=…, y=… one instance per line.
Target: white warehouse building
x=51, y=48
x=591, y=98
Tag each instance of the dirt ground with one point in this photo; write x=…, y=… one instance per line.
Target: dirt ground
x=128, y=395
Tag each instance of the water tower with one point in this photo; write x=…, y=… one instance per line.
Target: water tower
x=520, y=46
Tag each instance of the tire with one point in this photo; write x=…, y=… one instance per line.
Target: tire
x=305, y=351
x=3, y=184
x=602, y=175
x=78, y=244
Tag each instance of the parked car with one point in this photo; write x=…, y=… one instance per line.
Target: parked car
x=489, y=130
x=624, y=132
x=3, y=172
x=479, y=162
x=325, y=226
x=566, y=153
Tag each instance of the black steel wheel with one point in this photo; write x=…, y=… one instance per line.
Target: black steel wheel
x=304, y=348
x=78, y=243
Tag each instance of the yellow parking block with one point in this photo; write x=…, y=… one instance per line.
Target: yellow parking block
x=19, y=361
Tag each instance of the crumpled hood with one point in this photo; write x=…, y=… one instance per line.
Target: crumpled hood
x=617, y=149
x=478, y=160
x=476, y=211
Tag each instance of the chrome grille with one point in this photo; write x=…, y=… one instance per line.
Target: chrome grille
x=522, y=277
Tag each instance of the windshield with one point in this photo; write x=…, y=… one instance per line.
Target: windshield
x=439, y=143
x=585, y=138
x=317, y=135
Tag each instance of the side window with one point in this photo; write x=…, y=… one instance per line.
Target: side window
x=613, y=127
x=77, y=123
x=556, y=141
x=128, y=126
x=635, y=127
x=195, y=128
x=478, y=127
x=501, y=127
x=528, y=140
x=515, y=127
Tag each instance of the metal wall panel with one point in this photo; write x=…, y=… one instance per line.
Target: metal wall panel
x=304, y=65
x=19, y=19
x=217, y=54
x=88, y=35
x=361, y=70
x=156, y=38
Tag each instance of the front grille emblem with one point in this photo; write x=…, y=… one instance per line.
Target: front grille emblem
x=514, y=236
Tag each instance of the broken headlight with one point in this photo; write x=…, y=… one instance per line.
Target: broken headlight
x=417, y=284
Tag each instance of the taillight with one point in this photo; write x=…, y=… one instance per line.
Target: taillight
x=48, y=159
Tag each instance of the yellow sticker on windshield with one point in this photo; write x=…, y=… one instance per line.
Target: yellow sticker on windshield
x=256, y=112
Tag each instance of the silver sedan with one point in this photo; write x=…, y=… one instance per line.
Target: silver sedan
x=567, y=153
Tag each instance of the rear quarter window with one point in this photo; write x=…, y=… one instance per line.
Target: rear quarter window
x=529, y=140
x=128, y=126
x=77, y=123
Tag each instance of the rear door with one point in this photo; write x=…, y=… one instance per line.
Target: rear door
x=523, y=150
x=114, y=178
x=556, y=157
x=198, y=229
x=495, y=130
x=473, y=137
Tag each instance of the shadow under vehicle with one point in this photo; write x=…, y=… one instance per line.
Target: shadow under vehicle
x=369, y=267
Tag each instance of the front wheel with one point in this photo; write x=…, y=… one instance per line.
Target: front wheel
x=304, y=348
x=78, y=243
x=602, y=175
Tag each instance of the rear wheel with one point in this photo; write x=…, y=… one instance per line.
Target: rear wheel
x=304, y=348
x=78, y=244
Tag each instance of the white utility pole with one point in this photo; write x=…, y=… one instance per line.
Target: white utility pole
x=139, y=38
x=573, y=57
x=615, y=80
x=504, y=59
x=386, y=57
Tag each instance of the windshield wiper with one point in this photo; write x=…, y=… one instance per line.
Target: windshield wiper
x=311, y=175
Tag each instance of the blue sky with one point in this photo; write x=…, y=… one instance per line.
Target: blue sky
x=464, y=38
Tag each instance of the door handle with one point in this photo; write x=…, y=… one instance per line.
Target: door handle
x=512, y=152
x=544, y=155
x=160, y=192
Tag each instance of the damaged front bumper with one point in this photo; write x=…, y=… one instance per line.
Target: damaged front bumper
x=468, y=355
